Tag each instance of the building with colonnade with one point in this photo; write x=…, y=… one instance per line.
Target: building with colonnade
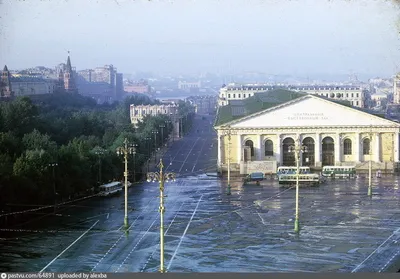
x=262, y=128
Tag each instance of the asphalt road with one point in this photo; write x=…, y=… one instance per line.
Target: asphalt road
x=342, y=229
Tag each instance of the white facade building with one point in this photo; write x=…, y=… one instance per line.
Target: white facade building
x=354, y=94
x=137, y=113
x=335, y=134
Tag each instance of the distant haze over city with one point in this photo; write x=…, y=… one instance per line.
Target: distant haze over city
x=311, y=39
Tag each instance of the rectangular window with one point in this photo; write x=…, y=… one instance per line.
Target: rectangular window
x=229, y=96
x=239, y=96
x=234, y=96
x=357, y=95
x=352, y=95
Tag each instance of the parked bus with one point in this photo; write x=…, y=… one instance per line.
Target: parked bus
x=339, y=171
x=292, y=170
x=110, y=189
x=304, y=179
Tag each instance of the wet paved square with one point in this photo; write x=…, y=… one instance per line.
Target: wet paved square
x=342, y=229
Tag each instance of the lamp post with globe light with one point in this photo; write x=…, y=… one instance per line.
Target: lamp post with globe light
x=161, y=177
x=297, y=148
x=125, y=150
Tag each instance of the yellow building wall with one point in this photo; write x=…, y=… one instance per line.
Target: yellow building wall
x=234, y=148
x=387, y=148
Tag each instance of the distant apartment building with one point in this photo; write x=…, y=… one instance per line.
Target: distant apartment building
x=137, y=113
x=396, y=89
x=354, y=94
x=189, y=86
x=86, y=74
x=203, y=104
x=104, y=84
x=141, y=86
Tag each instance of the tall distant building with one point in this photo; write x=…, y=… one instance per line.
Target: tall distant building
x=5, y=83
x=69, y=80
x=102, y=83
x=396, y=89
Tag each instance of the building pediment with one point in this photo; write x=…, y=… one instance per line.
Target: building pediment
x=310, y=111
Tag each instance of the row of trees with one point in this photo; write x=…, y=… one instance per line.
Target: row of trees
x=55, y=147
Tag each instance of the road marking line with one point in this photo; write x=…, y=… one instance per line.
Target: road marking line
x=69, y=246
x=184, y=233
x=138, y=243
x=358, y=267
x=188, y=154
x=108, y=215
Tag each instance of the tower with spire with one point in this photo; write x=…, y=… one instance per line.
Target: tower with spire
x=69, y=81
x=5, y=84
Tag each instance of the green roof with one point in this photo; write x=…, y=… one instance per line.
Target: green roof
x=238, y=109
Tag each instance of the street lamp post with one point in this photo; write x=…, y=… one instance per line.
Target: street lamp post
x=99, y=152
x=161, y=177
x=125, y=150
x=148, y=139
x=370, y=164
x=228, y=133
x=162, y=126
x=53, y=165
x=168, y=122
x=134, y=145
x=297, y=148
x=155, y=132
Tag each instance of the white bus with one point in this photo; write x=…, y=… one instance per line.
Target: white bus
x=339, y=171
x=304, y=179
x=110, y=189
x=292, y=170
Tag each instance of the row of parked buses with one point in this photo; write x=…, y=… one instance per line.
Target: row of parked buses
x=287, y=175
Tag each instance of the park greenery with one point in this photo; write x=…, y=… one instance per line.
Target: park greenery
x=61, y=146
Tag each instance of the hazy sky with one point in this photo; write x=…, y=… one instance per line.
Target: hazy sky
x=303, y=37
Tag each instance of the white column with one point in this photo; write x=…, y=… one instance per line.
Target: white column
x=377, y=149
x=396, y=147
x=259, y=156
x=239, y=148
x=299, y=140
x=317, y=151
x=337, y=148
x=356, y=147
x=219, y=151
x=278, y=149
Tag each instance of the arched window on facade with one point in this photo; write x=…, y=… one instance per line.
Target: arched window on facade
x=250, y=144
x=366, y=146
x=347, y=147
x=269, y=148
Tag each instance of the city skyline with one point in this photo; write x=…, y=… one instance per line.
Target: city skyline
x=358, y=37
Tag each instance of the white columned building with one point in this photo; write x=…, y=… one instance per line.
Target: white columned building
x=334, y=132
